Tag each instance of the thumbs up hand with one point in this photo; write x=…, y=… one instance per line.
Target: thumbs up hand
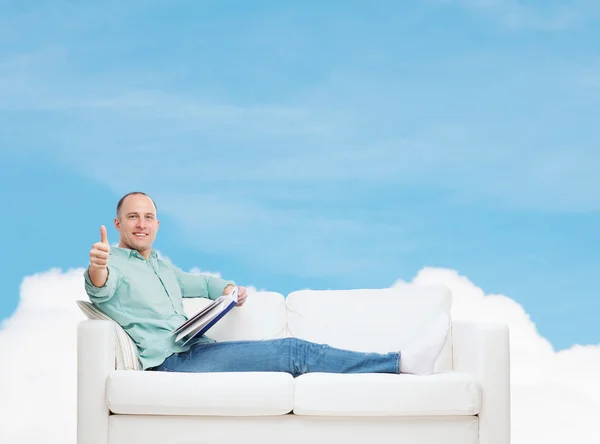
x=100, y=251
x=103, y=235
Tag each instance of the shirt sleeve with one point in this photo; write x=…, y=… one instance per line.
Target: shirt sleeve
x=107, y=291
x=200, y=285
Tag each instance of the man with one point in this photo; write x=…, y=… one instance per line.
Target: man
x=143, y=293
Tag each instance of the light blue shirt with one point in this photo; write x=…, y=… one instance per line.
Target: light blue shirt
x=145, y=297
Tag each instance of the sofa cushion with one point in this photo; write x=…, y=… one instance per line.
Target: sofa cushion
x=442, y=394
x=378, y=320
x=228, y=394
x=262, y=316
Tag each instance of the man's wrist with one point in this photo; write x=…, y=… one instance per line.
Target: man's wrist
x=96, y=276
x=228, y=288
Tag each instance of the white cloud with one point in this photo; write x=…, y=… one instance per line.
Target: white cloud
x=38, y=377
x=196, y=270
x=556, y=396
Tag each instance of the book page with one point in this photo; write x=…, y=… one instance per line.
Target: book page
x=199, y=322
x=206, y=316
x=198, y=315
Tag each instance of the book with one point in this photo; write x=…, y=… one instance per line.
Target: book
x=202, y=321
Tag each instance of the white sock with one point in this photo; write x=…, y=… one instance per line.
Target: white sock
x=420, y=359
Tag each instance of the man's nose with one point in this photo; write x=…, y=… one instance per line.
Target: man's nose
x=141, y=223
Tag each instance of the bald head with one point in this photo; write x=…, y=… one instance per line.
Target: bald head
x=137, y=222
x=133, y=193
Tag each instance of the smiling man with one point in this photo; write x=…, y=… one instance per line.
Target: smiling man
x=144, y=294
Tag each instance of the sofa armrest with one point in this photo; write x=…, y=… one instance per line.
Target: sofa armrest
x=95, y=361
x=483, y=350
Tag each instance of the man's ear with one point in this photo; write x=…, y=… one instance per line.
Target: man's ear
x=117, y=223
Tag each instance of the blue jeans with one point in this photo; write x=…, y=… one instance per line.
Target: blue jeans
x=289, y=355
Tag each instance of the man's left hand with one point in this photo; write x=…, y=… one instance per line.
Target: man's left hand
x=242, y=294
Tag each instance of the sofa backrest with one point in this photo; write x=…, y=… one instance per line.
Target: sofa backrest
x=378, y=320
x=263, y=316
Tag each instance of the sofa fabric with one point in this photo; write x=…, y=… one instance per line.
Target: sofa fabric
x=126, y=352
x=377, y=320
x=292, y=429
x=263, y=316
x=443, y=394
x=212, y=394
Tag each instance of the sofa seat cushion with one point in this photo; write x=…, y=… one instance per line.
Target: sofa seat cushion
x=228, y=394
x=441, y=394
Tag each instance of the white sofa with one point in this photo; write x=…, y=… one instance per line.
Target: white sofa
x=466, y=401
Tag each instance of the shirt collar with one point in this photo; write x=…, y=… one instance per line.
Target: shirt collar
x=129, y=253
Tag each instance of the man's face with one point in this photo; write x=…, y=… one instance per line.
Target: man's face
x=137, y=223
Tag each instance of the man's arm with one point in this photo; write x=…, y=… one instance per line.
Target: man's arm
x=101, y=279
x=201, y=285
x=107, y=290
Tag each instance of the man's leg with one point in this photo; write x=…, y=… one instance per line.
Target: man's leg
x=289, y=355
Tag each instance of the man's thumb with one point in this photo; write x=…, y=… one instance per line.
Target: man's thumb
x=103, y=235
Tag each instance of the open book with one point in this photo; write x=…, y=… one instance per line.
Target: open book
x=202, y=321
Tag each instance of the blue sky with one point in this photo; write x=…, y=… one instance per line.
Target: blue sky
x=292, y=145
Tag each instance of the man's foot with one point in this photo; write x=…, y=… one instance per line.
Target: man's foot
x=420, y=358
